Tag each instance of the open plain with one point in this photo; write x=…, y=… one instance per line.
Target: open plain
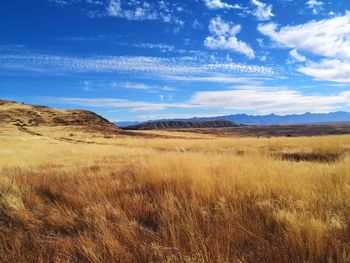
x=71, y=194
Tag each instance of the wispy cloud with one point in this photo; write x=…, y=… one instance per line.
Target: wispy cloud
x=168, y=88
x=173, y=68
x=296, y=56
x=219, y=79
x=263, y=11
x=157, y=116
x=224, y=36
x=159, y=46
x=143, y=10
x=263, y=100
x=132, y=85
x=103, y=85
x=315, y=5
x=70, y=2
x=113, y=103
x=218, y=4
x=130, y=10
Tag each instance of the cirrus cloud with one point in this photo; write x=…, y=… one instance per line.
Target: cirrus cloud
x=171, y=68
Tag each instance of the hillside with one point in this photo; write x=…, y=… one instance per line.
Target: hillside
x=165, y=125
x=25, y=115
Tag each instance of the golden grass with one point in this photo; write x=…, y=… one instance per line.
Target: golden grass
x=173, y=200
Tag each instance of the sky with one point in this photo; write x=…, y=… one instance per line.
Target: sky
x=139, y=60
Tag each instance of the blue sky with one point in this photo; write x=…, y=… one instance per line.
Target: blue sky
x=140, y=60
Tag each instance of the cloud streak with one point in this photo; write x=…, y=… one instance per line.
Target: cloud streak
x=265, y=101
x=260, y=99
x=171, y=68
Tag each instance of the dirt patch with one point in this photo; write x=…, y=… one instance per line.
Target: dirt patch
x=26, y=130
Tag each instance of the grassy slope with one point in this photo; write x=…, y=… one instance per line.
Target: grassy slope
x=172, y=200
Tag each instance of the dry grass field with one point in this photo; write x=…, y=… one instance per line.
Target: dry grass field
x=70, y=196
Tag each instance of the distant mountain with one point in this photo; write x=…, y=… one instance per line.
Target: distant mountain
x=271, y=119
x=165, y=125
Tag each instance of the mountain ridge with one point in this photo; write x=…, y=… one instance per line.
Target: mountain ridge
x=166, y=125
x=270, y=119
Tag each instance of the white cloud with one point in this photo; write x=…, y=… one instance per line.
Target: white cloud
x=263, y=11
x=332, y=70
x=133, y=85
x=315, y=5
x=328, y=37
x=224, y=37
x=133, y=106
x=167, y=88
x=142, y=12
x=260, y=99
x=296, y=56
x=160, y=47
x=265, y=101
x=150, y=108
x=103, y=85
x=218, y=4
x=217, y=79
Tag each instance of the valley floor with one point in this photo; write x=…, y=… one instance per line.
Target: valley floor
x=67, y=196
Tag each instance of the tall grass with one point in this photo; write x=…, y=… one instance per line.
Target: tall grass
x=173, y=200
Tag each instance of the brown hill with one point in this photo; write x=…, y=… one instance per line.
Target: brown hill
x=165, y=125
x=24, y=115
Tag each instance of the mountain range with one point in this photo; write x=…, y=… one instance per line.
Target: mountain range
x=271, y=119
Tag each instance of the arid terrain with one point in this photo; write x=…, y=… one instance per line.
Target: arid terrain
x=294, y=130
x=85, y=191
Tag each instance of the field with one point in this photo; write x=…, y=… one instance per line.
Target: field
x=291, y=130
x=172, y=197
